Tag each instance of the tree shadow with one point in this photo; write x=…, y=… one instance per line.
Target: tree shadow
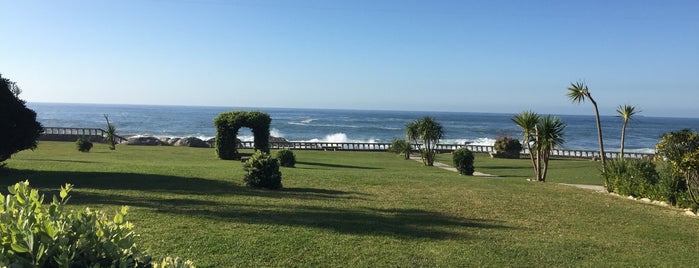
x=149, y=183
x=332, y=166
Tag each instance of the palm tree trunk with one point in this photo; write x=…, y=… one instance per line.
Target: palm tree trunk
x=531, y=156
x=599, y=134
x=623, y=136
x=546, y=166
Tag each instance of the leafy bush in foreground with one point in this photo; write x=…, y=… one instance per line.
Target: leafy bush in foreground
x=263, y=171
x=463, y=161
x=83, y=144
x=286, y=158
x=36, y=235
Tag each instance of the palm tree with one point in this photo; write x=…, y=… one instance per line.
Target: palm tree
x=577, y=93
x=411, y=134
x=110, y=138
x=625, y=112
x=549, y=136
x=430, y=131
x=528, y=120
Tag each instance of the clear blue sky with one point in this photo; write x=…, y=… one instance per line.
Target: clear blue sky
x=490, y=56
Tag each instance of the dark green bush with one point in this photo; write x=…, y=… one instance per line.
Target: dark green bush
x=263, y=171
x=463, y=161
x=227, y=126
x=507, y=148
x=19, y=129
x=83, y=144
x=634, y=177
x=286, y=158
x=34, y=234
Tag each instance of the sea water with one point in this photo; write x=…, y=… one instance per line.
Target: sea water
x=314, y=125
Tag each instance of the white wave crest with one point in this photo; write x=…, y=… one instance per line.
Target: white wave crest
x=276, y=133
x=478, y=141
x=340, y=138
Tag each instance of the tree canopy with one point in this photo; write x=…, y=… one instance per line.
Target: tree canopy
x=19, y=129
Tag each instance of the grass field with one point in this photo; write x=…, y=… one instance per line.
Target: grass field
x=363, y=209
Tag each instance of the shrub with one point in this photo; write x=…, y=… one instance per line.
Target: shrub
x=286, y=158
x=34, y=234
x=400, y=146
x=263, y=171
x=507, y=148
x=83, y=144
x=463, y=161
x=20, y=130
x=227, y=126
x=632, y=177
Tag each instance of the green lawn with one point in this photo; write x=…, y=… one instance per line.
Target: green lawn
x=363, y=209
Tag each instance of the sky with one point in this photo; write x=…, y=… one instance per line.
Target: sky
x=422, y=55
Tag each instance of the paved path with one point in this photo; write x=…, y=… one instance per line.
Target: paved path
x=585, y=186
x=450, y=168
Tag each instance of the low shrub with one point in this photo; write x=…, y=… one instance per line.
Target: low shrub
x=634, y=177
x=263, y=171
x=463, y=161
x=507, y=148
x=83, y=144
x=34, y=234
x=286, y=158
x=400, y=146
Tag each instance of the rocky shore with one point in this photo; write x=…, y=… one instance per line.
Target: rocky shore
x=188, y=141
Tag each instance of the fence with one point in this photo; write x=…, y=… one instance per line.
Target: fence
x=72, y=134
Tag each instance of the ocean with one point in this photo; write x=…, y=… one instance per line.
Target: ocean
x=313, y=125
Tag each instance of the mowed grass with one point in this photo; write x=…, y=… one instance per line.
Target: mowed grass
x=361, y=209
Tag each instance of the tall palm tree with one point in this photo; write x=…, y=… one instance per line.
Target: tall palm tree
x=578, y=93
x=625, y=112
x=528, y=120
x=549, y=136
x=430, y=131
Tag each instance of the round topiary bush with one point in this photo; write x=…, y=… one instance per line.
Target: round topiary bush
x=83, y=144
x=263, y=171
x=286, y=158
x=507, y=148
x=463, y=161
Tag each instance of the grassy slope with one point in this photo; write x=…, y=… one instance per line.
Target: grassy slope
x=361, y=209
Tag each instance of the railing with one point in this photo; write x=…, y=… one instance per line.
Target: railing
x=442, y=148
x=59, y=133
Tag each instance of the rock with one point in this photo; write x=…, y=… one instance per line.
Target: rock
x=631, y=197
x=148, y=141
x=689, y=213
x=173, y=141
x=647, y=200
x=277, y=139
x=211, y=142
x=192, y=142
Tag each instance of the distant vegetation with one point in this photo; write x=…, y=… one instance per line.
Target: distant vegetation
x=18, y=125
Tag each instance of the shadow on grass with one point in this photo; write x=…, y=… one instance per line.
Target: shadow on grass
x=332, y=165
x=116, y=181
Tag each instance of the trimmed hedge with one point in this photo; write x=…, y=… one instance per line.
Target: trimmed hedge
x=286, y=158
x=263, y=171
x=227, y=126
x=463, y=161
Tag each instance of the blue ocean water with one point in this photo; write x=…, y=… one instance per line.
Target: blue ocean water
x=351, y=125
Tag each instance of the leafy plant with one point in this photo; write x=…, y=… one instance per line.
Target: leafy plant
x=400, y=146
x=177, y=262
x=83, y=144
x=286, y=158
x=463, y=161
x=430, y=132
x=544, y=133
x=507, y=148
x=578, y=93
x=681, y=150
x=634, y=177
x=263, y=171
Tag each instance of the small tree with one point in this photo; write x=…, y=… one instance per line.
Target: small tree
x=430, y=132
x=578, y=93
x=110, y=138
x=411, y=134
x=286, y=158
x=263, y=171
x=83, y=144
x=400, y=146
x=681, y=150
x=20, y=130
x=463, y=161
x=507, y=147
x=625, y=112
x=544, y=133
x=527, y=120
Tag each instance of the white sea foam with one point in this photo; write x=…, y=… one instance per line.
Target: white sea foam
x=340, y=138
x=478, y=141
x=276, y=133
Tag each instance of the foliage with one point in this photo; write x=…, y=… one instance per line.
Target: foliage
x=400, y=146
x=37, y=235
x=625, y=112
x=286, y=158
x=681, y=150
x=430, y=132
x=110, y=137
x=634, y=177
x=545, y=133
x=463, y=161
x=578, y=93
x=20, y=130
x=262, y=171
x=227, y=126
x=507, y=147
x=83, y=144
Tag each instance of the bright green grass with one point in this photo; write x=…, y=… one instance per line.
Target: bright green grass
x=359, y=209
x=577, y=171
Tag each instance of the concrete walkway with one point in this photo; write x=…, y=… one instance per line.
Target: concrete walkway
x=450, y=168
x=585, y=186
